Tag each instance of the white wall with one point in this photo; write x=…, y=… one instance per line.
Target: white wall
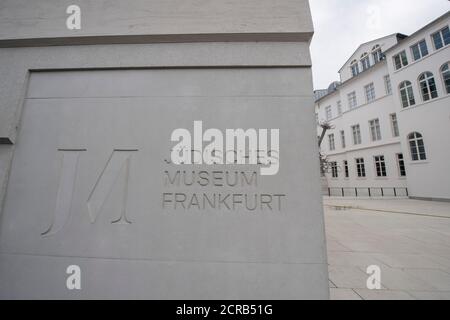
x=380, y=109
x=430, y=178
x=385, y=43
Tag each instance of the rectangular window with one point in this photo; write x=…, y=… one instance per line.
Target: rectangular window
x=400, y=60
x=355, y=69
x=375, y=131
x=346, y=168
x=441, y=38
x=328, y=113
x=370, y=92
x=356, y=131
x=343, y=139
x=360, y=167
x=377, y=56
x=331, y=142
x=352, y=103
x=394, y=125
x=339, y=107
x=334, y=170
x=380, y=166
x=445, y=70
x=387, y=84
x=401, y=165
x=407, y=94
x=365, y=62
x=419, y=50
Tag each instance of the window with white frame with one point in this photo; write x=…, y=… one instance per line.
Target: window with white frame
x=365, y=61
x=427, y=86
x=377, y=54
x=328, y=114
x=356, y=132
x=343, y=144
x=445, y=72
x=360, y=167
x=400, y=60
x=417, y=147
x=380, y=166
x=331, y=142
x=375, y=131
x=370, y=92
x=407, y=94
x=441, y=38
x=354, y=67
x=401, y=165
x=339, y=107
x=334, y=170
x=346, y=169
x=419, y=50
x=394, y=125
x=387, y=84
x=352, y=103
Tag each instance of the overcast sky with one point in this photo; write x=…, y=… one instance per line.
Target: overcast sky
x=342, y=25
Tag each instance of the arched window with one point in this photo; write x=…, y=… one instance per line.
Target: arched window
x=354, y=67
x=377, y=54
x=427, y=86
x=416, y=146
x=365, y=61
x=407, y=94
x=445, y=71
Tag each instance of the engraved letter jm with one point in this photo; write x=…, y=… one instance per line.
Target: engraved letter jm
x=117, y=166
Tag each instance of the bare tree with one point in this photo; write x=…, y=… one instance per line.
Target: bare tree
x=324, y=163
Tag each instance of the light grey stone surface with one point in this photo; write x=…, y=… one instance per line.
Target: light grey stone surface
x=343, y=294
x=409, y=244
x=136, y=110
x=152, y=67
x=383, y=294
x=15, y=63
x=28, y=19
x=431, y=295
x=44, y=277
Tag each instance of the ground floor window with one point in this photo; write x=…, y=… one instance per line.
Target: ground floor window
x=360, y=167
x=346, y=168
x=401, y=165
x=334, y=170
x=446, y=76
x=380, y=166
x=417, y=146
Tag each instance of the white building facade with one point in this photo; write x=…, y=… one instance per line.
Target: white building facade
x=390, y=117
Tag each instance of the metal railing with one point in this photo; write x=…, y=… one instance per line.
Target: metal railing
x=367, y=192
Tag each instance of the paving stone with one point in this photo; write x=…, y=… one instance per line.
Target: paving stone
x=431, y=295
x=412, y=250
x=348, y=277
x=367, y=294
x=354, y=259
x=409, y=260
x=331, y=284
x=438, y=279
x=343, y=294
x=336, y=246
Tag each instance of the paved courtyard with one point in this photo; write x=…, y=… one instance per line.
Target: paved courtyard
x=408, y=239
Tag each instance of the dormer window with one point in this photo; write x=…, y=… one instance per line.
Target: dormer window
x=377, y=54
x=365, y=61
x=354, y=67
